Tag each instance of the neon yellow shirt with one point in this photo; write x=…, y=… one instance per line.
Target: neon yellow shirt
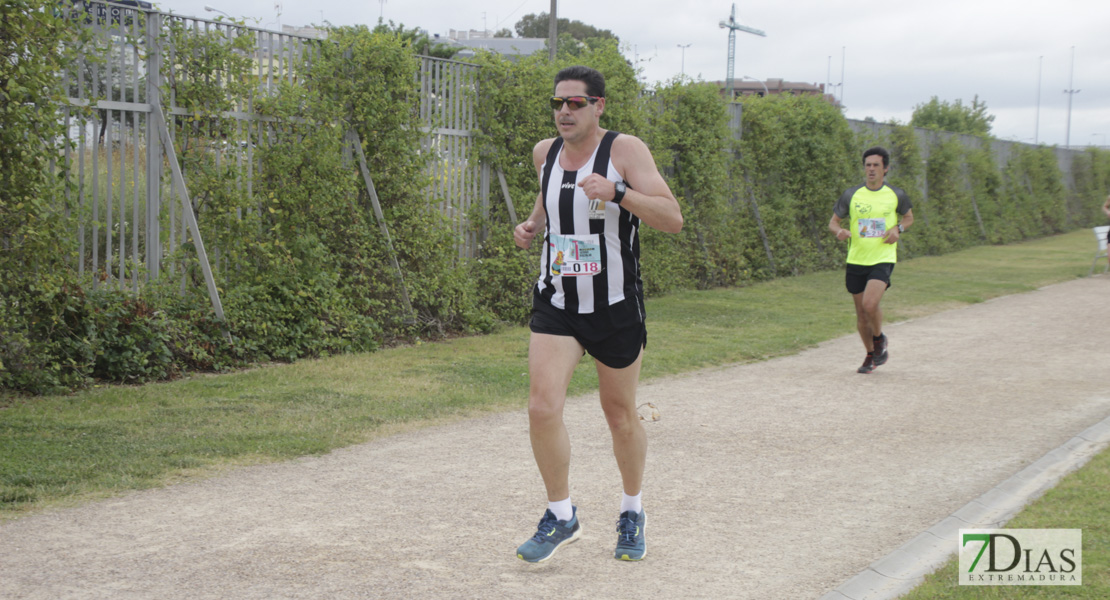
x=872, y=214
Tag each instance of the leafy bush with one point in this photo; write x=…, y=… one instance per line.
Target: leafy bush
x=45, y=339
x=130, y=344
x=798, y=155
x=305, y=267
x=41, y=345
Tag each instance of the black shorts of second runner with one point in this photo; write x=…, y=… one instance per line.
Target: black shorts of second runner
x=857, y=276
x=614, y=336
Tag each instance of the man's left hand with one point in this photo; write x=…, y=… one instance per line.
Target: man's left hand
x=598, y=187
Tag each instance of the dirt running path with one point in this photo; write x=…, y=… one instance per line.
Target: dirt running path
x=776, y=480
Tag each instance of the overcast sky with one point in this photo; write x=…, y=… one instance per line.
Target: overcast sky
x=893, y=55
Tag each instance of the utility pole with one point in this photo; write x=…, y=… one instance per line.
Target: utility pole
x=1071, y=91
x=843, y=54
x=1037, y=118
x=552, y=30
x=731, y=25
x=684, y=47
x=828, y=75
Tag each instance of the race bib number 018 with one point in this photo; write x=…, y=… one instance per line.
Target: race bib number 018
x=575, y=255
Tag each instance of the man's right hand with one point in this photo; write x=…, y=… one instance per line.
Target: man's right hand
x=523, y=234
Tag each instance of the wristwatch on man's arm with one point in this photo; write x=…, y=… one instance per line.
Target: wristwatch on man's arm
x=618, y=192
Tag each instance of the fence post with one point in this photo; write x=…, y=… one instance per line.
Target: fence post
x=759, y=222
x=508, y=199
x=970, y=187
x=356, y=143
x=483, y=185
x=187, y=212
x=153, y=146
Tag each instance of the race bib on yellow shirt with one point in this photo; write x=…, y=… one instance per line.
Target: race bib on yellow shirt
x=872, y=228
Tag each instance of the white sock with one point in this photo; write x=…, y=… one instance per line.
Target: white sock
x=631, y=503
x=563, y=510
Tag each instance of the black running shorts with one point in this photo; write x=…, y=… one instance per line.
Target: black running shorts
x=857, y=276
x=614, y=336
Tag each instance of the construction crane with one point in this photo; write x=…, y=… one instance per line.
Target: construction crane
x=731, y=25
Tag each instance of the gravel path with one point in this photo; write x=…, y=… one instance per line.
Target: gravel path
x=775, y=480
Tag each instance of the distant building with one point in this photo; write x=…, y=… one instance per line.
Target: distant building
x=473, y=40
x=748, y=87
x=306, y=31
x=272, y=43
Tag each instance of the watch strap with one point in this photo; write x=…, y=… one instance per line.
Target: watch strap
x=619, y=189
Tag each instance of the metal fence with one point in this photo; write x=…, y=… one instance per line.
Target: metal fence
x=132, y=210
x=448, y=90
x=132, y=199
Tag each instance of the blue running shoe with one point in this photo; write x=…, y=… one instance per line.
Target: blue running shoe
x=550, y=535
x=631, y=544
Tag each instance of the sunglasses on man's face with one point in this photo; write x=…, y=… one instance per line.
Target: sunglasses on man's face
x=574, y=102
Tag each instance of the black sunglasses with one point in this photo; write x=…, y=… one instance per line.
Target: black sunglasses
x=575, y=102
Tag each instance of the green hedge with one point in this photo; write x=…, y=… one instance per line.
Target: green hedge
x=304, y=269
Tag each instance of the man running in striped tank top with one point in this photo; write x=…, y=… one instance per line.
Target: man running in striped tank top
x=596, y=187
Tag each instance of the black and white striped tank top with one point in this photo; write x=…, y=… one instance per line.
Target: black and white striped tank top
x=591, y=255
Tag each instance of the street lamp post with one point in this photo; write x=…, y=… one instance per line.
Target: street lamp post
x=1071, y=91
x=684, y=47
x=210, y=9
x=843, y=55
x=1037, y=117
x=828, y=75
x=766, y=92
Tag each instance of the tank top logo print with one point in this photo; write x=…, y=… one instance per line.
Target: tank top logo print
x=597, y=209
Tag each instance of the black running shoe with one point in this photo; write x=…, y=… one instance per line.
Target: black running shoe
x=868, y=364
x=880, y=350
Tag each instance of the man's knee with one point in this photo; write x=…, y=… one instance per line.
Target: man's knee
x=544, y=412
x=621, y=417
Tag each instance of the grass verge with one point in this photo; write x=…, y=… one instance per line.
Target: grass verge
x=1079, y=501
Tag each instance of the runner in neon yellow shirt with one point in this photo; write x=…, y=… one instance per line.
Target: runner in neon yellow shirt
x=874, y=229
x=1106, y=210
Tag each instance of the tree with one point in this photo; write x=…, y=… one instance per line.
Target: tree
x=955, y=117
x=418, y=40
x=536, y=26
x=36, y=45
x=504, y=32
